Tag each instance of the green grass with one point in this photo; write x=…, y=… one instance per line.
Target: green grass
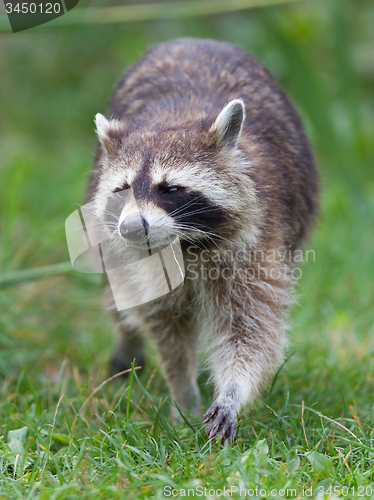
x=314, y=427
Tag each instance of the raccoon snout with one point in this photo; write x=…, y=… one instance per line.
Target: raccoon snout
x=131, y=230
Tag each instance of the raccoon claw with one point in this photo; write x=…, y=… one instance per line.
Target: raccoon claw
x=223, y=423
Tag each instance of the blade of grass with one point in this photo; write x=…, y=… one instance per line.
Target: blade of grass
x=129, y=391
x=14, y=277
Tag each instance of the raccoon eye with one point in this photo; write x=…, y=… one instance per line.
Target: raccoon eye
x=165, y=188
x=118, y=190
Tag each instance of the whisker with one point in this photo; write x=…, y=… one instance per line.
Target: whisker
x=101, y=224
x=183, y=236
x=177, y=210
x=215, y=235
x=209, y=235
x=194, y=212
x=195, y=241
x=112, y=214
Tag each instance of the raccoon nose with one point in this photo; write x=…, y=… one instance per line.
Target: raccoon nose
x=131, y=230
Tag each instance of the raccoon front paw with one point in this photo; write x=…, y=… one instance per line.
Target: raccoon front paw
x=223, y=422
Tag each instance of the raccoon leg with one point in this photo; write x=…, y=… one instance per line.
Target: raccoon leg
x=177, y=348
x=242, y=369
x=244, y=354
x=129, y=347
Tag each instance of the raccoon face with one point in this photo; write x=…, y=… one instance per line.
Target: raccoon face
x=159, y=183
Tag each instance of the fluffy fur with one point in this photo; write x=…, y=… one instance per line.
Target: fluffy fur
x=214, y=152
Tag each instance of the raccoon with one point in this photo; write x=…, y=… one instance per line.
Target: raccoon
x=213, y=152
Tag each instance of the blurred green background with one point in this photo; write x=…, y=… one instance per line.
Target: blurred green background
x=53, y=80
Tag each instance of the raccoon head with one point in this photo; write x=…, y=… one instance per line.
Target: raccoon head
x=157, y=182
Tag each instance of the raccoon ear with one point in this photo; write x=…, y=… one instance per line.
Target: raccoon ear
x=102, y=126
x=110, y=133
x=228, y=124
